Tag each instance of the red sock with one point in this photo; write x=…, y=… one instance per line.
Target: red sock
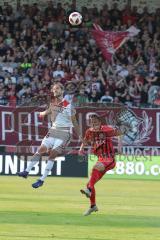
x=95, y=177
x=93, y=196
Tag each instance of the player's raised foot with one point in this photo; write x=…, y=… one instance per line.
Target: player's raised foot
x=91, y=210
x=37, y=184
x=87, y=192
x=23, y=174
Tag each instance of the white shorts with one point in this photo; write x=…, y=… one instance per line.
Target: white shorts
x=56, y=143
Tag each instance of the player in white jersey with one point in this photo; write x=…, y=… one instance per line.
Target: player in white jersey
x=58, y=137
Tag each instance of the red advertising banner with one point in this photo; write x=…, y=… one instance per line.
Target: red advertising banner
x=21, y=126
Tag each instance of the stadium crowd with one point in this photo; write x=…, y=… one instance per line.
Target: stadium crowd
x=38, y=47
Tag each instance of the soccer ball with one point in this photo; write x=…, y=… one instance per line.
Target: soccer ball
x=75, y=18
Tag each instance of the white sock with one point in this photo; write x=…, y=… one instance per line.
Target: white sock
x=48, y=168
x=33, y=162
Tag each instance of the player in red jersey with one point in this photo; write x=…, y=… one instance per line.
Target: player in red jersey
x=99, y=137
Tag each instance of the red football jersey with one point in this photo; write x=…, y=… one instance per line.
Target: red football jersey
x=101, y=141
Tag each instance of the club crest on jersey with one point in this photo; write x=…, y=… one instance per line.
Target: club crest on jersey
x=60, y=107
x=138, y=128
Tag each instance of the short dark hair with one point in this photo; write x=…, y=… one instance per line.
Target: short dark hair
x=95, y=115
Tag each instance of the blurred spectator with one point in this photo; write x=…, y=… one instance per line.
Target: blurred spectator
x=106, y=98
x=81, y=98
x=121, y=91
x=58, y=72
x=152, y=93
x=12, y=100
x=70, y=90
x=128, y=101
x=94, y=96
x=38, y=48
x=3, y=99
x=157, y=99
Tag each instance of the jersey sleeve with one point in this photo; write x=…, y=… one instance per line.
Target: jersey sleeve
x=110, y=131
x=87, y=135
x=70, y=110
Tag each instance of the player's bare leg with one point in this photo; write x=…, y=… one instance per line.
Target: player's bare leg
x=52, y=155
x=36, y=157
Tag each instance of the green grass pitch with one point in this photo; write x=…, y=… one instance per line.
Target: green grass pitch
x=129, y=210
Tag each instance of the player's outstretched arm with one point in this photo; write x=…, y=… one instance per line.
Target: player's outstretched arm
x=44, y=113
x=85, y=142
x=83, y=145
x=119, y=131
x=76, y=127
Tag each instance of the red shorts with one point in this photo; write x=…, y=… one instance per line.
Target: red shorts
x=109, y=163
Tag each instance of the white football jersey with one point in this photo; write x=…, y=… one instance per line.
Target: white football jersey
x=61, y=114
